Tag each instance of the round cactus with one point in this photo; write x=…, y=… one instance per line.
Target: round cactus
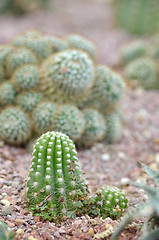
x=57, y=44
x=6, y=232
x=114, y=127
x=79, y=42
x=133, y=51
x=143, y=70
x=19, y=57
x=20, y=39
x=44, y=116
x=67, y=75
x=111, y=201
x=107, y=90
x=29, y=100
x=55, y=184
x=95, y=128
x=70, y=121
x=8, y=93
x=26, y=77
x=5, y=50
x=15, y=126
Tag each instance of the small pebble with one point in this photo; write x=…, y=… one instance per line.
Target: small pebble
x=125, y=181
x=15, y=184
x=5, y=202
x=4, y=194
x=6, y=210
x=105, y=157
x=32, y=238
x=121, y=155
x=20, y=231
x=19, y=221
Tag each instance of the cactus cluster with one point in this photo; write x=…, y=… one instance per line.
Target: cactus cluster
x=56, y=186
x=140, y=60
x=137, y=16
x=5, y=232
x=56, y=84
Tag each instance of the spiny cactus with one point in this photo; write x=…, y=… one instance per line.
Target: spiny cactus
x=70, y=121
x=79, y=42
x=5, y=232
x=43, y=117
x=56, y=185
x=5, y=50
x=138, y=16
x=133, y=51
x=19, y=57
x=114, y=127
x=29, y=100
x=57, y=44
x=20, y=39
x=8, y=93
x=15, y=127
x=26, y=77
x=111, y=201
x=143, y=70
x=67, y=75
x=95, y=128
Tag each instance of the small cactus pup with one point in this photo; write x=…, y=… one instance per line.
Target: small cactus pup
x=57, y=44
x=6, y=232
x=55, y=186
x=29, y=100
x=111, y=201
x=67, y=75
x=8, y=93
x=15, y=127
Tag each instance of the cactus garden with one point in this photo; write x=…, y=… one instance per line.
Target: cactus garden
x=79, y=120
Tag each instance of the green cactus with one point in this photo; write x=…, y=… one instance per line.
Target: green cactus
x=5, y=50
x=15, y=127
x=79, y=42
x=8, y=93
x=57, y=44
x=26, y=77
x=107, y=91
x=144, y=71
x=111, y=201
x=29, y=100
x=5, y=232
x=70, y=121
x=95, y=128
x=44, y=116
x=133, y=51
x=20, y=39
x=68, y=75
x=138, y=16
x=19, y=57
x=114, y=127
x=55, y=184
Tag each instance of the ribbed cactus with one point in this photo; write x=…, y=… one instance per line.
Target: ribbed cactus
x=29, y=100
x=70, y=121
x=55, y=184
x=5, y=232
x=79, y=42
x=26, y=77
x=67, y=75
x=143, y=70
x=137, y=16
x=111, y=201
x=15, y=127
x=8, y=93
x=57, y=44
x=44, y=116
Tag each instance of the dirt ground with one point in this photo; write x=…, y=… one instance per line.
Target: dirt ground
x=103, y=164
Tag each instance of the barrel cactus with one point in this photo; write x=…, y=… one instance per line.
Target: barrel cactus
x=29, y=100
x=15, y=127
x=56, y=185
x=67, y=75
x=8, y=93
x=5, y=232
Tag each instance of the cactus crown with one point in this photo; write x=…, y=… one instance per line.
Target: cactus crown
x=55, y=177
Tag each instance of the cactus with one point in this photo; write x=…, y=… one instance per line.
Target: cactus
x=44, y=116
x=2, y=74
x=114, y=127
x=4, y=52
x=15, y=127
x=107, y=90
x=143, y=70
x=20, y=39
x=70, y=121
x=133, y=51
x=79, y=42
x=111, y=201
x=57, y=44
x=5, y=232
x=138, y=16
x=8, y=93
x=68, y=75
x=55, y=184
x=26, y=77
x=29, y=100
x=19, y=57
x=95, y=128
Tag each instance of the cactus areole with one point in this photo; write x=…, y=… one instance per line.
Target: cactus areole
x=56, y=185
